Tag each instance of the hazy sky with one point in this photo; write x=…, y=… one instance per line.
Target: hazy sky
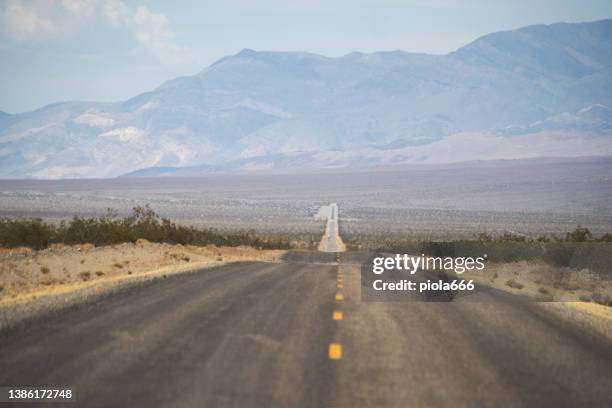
x=106, y=50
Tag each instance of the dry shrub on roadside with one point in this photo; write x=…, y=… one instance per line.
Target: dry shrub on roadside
x=179, y=257
x=45, y=270
x=601, y=299
x=514, y=284
x=17, y=250
x=142, y=226
x=544, y=297
x=85, y=275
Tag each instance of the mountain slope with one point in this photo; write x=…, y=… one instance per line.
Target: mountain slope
x=271, y=106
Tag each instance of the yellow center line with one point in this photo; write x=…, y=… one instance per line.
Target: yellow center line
x=335, y=351
x=337, y=315
x=340, y=286
x=339, y=296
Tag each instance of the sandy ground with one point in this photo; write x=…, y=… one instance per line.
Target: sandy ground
x=542, y=281
x=27, y=274
x=340, y=244
x=581, y=290
x=322, y=247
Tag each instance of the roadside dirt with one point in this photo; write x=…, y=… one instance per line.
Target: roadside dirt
x=582, y=290
x=27, y=274
x=543, y=281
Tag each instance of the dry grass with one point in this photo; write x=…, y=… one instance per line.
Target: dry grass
x=15, y=251
x=542, y=281
x=52, y=268
x=514, y=284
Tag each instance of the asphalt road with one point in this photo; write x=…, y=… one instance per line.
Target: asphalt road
x=331, y=243
x=259, y=335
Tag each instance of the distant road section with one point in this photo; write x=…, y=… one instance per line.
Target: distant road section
x=331, y=241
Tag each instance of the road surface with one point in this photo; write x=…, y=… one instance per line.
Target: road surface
x=331, y=238
x=261, y=335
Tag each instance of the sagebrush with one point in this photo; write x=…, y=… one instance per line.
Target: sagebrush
x=142, y=223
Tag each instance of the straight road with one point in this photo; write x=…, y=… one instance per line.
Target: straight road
x=332, y=234
x=260, y=335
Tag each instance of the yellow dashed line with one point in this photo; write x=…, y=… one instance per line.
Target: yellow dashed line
x=335, y=351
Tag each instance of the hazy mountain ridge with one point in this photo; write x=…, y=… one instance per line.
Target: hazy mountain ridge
x=285, y=109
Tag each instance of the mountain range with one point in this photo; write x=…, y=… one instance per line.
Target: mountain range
x=538, y=91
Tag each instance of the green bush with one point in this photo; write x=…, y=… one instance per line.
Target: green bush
x=559, y=253
x=110, y=229
x=580, y=234
x=33, y=233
